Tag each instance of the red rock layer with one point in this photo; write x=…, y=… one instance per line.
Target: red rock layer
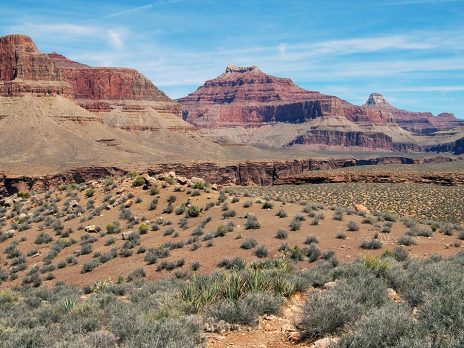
x=107, y=83
x=417, y=122
x=247, y=96
x=23, y=69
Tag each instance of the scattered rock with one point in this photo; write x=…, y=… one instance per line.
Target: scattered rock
x=393, y=295
x=330, y=285
x=90, y=229
x=361, y=208
x=125, y=235
x=326, y=342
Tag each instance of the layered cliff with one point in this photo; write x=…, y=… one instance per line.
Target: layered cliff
x=417, y=122
x=247, y=96
x=23, y=69
x=123, y=97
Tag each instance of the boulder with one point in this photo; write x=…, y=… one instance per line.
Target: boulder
x=326, y=342
x=361, y=208
x=90, y=229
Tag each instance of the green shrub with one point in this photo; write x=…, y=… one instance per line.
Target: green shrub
x=89, y=193
x=381, y=327
x=407, y=240
x=249, y=243
x=252, y=223
x=371, y=244
x=261, y=251
x=281, y=234
x=311, y=239
x=329, y=312
x=43, y=238
x=353, y=226
x=194, y=211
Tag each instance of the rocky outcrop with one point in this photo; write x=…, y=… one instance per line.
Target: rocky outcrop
x=250, y=173
x=23, y=69
x=344, y=139
x=455, y=147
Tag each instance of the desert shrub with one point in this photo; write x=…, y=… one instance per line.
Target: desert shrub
x=195, y=266
x=311, y=239
x=247, y=204
x=169, y=332
x=282, y=214
x=295, y=225
x=43, y=238
x=341, y=235
x=267, y=205
x=400, y=254
x=169, y=231
x=136, y=274
x=90, y=266
x=249, y=243
x=371, y=244
x=169, y=209
x=419, y=231
x=407, y=240
x=236, y=263
x=409, y=222
x=171, y=199
x=85, y=249
x=252, y=223
x=247, y=310
x=229, y=214
x=194, y=211
x=151, y=256
x=386, y=229
x=328, y=312
x=138, y=181
x=144, y=228
x=90, y=192
x=353, y=226
x=261, y=251
x=153, y=204
x=381, y=327
x=154, y=191
x=281, y=234
x=313, y=253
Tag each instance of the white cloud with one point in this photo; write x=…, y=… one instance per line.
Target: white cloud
x=282, y=48
x=62, y=29
x=130, y=10
x=116, y=39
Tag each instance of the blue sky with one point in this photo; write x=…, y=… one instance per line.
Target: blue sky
x=412, y=51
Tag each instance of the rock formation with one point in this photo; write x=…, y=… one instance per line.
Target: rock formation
x=123, y=97
x=377, y=106
x=247, y=96
x=23, y=69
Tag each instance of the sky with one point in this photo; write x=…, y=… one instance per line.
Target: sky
x=411, y=51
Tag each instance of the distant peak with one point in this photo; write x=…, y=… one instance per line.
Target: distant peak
x=239, y=69
x=377, y=99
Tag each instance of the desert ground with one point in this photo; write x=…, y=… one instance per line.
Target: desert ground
x=176, y=237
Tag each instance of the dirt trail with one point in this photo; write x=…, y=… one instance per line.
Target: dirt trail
x=272, y=331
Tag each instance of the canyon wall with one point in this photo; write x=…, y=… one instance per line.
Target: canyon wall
x=247, y=173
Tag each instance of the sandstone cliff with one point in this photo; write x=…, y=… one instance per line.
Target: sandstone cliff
x=23, y=69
